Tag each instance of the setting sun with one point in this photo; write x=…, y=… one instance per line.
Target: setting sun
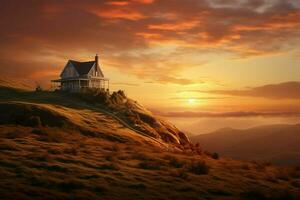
x=191, y=101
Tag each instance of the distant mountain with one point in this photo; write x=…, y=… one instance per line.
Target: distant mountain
x=279, y=144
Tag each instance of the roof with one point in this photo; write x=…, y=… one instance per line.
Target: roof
x=82, y=67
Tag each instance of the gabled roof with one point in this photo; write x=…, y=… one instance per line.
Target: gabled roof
x=84, y=68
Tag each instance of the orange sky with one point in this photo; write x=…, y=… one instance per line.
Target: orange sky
x=191, y=58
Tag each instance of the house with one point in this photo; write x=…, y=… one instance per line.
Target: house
x=78, y=76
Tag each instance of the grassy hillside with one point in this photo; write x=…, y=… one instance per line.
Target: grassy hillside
x=278, y=144
x=58, y=146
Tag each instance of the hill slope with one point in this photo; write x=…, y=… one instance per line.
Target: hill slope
x=123, y=110
x=58, y=146
x=276, y=143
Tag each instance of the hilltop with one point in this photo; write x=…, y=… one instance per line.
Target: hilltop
x=62, y=146
x=278, y=144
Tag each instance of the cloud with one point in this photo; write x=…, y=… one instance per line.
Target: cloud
x=169, y=79
x=117, y=13
x=286, y=90
x=198, y=98
x=148, y=37
x=125, y=84
x=174, y=26
x=190, y=114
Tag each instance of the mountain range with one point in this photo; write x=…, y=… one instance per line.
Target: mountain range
x=278, y=144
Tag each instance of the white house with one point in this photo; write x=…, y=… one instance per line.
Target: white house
x=77, y=76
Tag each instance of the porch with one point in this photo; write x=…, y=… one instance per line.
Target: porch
x=79, y=84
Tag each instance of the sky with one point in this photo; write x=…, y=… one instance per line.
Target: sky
x=233, y=61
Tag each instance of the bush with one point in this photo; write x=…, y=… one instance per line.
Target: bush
x=182, y=174
x=39, y=131
x=138, y=186
x=118, y=98
x=174, y=162
x=219, y=192
x=283, y=174
x=295, y=172
x=71, y=151
x=253, y=194
x=296, y=183
x=245, y=166
x=48, y=136
x=215, y=156
x=34, y=121
x=149, y=165
x=27, y=120
x=199, y=168
x=111, y=166
x=259, y=194
x=70, y=185
x=38, y=88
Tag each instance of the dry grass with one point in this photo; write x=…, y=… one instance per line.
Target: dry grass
x=102, y=169
x=92, y=156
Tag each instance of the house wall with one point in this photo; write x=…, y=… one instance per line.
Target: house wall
x=69, y=71
x=92, y=72
x=95, y=73
x=71, y=86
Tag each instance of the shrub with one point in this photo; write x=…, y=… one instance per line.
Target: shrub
x=138, y=186
x=199, y=168
x=110, y=157
x=14, y=134
x=70, y=185
x=27, y=120
x=295, y=172
x=34, y=121
x=54, y=151
x=71, y=151
x=245, y=166
x=259, y=194
x=111, y=166
x=8, y=147
x=48, y=136
x=117, y=98
x=182, y=174
x=219, y=192
x=215, y=156
x=39, y=131
x=283, y=174
x=140, y=156
x=253, y=194
x=38, y=88
x=296, y=183
x=174, y=162
x=149, y=165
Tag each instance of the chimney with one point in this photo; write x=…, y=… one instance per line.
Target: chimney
x=96, y=62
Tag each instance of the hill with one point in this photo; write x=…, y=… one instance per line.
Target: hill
x=278, y=144
x=61, y=146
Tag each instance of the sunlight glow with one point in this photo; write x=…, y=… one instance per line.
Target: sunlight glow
x=191, y=101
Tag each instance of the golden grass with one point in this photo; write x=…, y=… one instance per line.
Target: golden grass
x=77, y=166
x=94, y=156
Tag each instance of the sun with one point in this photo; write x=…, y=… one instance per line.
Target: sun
x=191, y=101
